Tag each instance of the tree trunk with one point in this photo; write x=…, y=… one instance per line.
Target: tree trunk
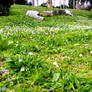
x=33, y=2
x=78, y=6
x=91, y=3
x=63, y=4
x=50, y=4
x=73, y=4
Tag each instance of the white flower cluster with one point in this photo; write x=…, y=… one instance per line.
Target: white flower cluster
x=90, y=52
x=22, y=69
x=30, y=53
x=10, y=42
x=80, y=55
x=20, y=60
x=55, y=64
x=1, y=30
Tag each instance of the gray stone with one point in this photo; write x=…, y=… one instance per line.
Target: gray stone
x=37, y=15
x=62, y=12
x=56, y=12
x=34, y=14
x=46, y=13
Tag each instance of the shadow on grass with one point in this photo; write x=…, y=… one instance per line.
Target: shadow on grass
x=90, y=16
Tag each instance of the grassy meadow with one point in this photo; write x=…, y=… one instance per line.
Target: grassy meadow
x=54, y=55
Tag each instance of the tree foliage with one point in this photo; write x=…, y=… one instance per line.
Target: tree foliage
x=20, y=2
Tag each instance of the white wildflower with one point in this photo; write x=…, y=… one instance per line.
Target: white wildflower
x=20, y=60
x=86, y=45
x=57, y=66
x=22, y=69
x=9, y=33
x=54, y=63
x=10, y=42
x=71, y=29
x=57, y=28
x=30, y=53
x=45, y=33
x=80, y=55
x=90, y=52
x=1, y=30
x=16, y=44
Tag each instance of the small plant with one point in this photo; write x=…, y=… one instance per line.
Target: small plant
x=3, y=44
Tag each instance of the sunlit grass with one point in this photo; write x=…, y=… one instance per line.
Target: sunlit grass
x=50, y=55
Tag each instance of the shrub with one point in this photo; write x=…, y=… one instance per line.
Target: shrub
x=20, y=2
x=5, y=6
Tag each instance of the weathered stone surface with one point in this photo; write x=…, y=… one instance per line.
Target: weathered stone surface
x=62, y=12
x=37, y=15
x=46, y=13
x=34, y=14
x=56, y=12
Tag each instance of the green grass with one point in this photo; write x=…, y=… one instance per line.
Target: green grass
x=18, y=17
x=54, y=55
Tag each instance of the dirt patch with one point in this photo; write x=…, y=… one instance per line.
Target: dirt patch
x=1, y=62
